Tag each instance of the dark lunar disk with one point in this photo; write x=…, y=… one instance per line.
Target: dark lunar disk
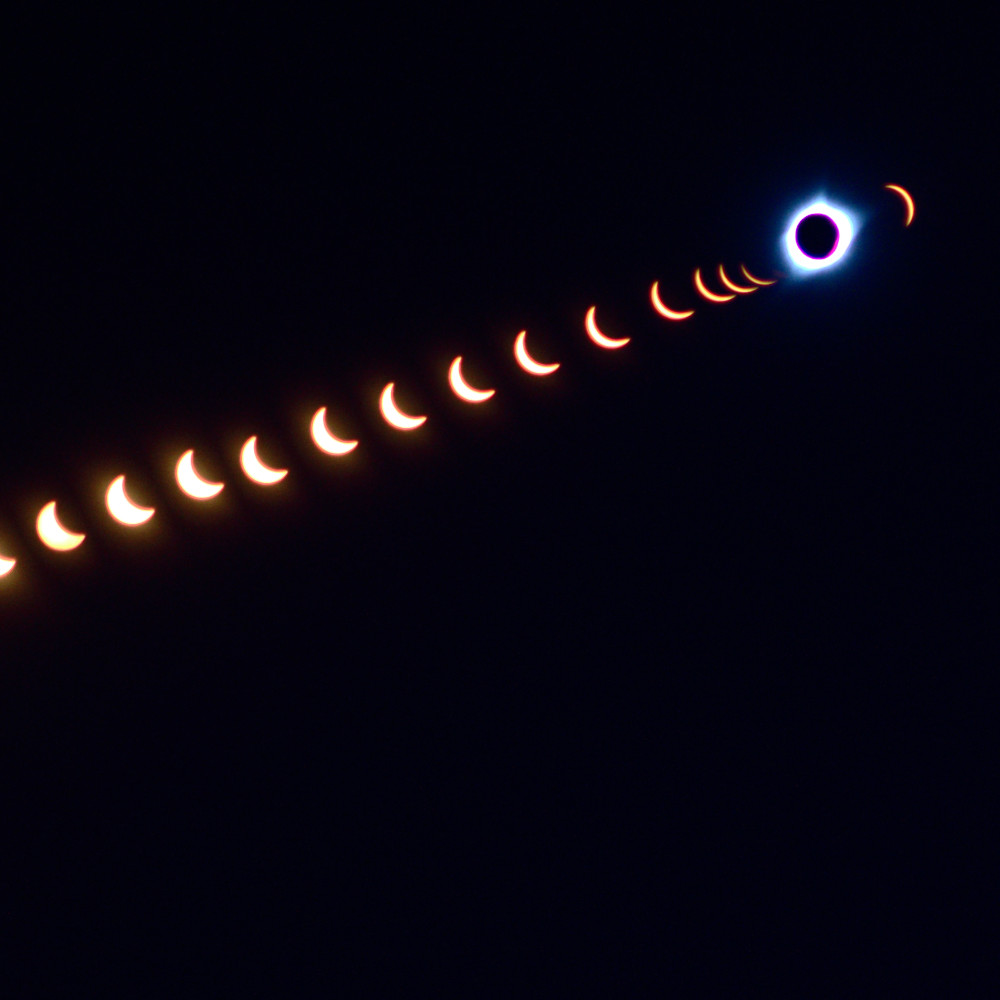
x=816, y=236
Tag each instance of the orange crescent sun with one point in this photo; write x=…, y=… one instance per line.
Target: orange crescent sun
x=122, y=508
x=462, y=389
x=732, y=286
x=527, y=362
x=254, y=469
x=324, y=440
x=52, y=533
x=601, y=339
x=706, y=293
x=393, y=414
x=191, y=482
x=756, y=281
x=911, y=209
x=665, y=311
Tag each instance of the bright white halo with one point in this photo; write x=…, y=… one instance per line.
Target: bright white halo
x=845, y=234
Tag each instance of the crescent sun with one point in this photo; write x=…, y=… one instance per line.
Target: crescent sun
x=393, y=414
x=122, y=509
x=52, y=533
x=732, y=286
x=703, y=291
x=756, y=281
x=599, y=338
x=6, y=565
x=665, y=311
x=527, y=362
x=911, y=209
x=191, y=482
x=462, y=389
x=326, y=441
x=254, y=469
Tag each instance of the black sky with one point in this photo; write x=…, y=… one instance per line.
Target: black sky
x=669, y=667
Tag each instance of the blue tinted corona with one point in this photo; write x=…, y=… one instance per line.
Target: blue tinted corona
x=842, y=223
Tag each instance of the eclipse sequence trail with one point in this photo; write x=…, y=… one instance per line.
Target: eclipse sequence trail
x=818, y=236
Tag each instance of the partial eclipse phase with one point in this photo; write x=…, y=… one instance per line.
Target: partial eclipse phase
x=599, y=338
x=911, y=209
x=254, y=469
x=665, y=311
x=462, y=389
x=526, y=361
x=706, y=293
x=191, y=483
x=324, y=440
x=122, y=509
x=52, y=533
x=393, y=415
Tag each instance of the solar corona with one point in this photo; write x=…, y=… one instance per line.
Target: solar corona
x=818, y=236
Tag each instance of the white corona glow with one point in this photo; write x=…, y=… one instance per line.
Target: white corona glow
x=52, y=533
x=393, y=414
x=665, y=311
x=756, y=281
x=462, y=389
x=732, y=286
x=705, y=292
x=254, y=469
x=6, y=565
x=845, y=233
x=527, y=362
x=602, y=340
x=326, y=441
x=911, y=209
x=191, y=483
x=122, y=509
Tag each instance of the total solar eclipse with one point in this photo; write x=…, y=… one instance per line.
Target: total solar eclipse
x=818, y=236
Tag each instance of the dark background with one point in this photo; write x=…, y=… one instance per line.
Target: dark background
x=676, y=666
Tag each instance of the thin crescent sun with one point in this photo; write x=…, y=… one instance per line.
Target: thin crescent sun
x=254, y=469
x=527, y=362
x=665, y=311
x=706, y=293
x=6, y=565
x=191, y=482
x=911, y=209
x=602, y=340
x=122, y=509
x=462, y=389
x=326, y=441
x=756, y=281
x=732, y=286
x=393, y=414
x=52, y=533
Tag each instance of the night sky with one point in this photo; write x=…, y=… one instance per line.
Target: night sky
x=674, y=667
